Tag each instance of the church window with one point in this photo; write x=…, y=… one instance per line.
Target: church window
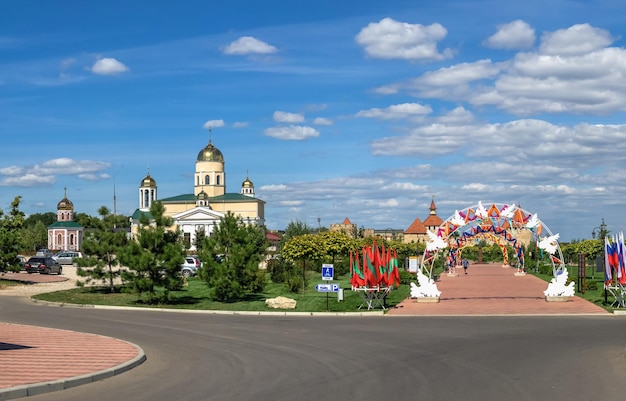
x=207, y=180
x=59, y=239
x=71, y=239
x=217, y=180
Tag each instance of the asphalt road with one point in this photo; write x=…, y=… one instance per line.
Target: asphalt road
x=229, y=357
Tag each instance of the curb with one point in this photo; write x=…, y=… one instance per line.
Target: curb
x=63, y=384
x=210, y=312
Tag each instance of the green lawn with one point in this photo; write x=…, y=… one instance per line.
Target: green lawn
x=195, y=296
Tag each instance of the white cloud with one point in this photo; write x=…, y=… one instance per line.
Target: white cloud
x=28, y=180
x=213, y=124
x=514, y=35
x=292, y=132
x=396, y=111
x=274, y=187
x=108, y=66
x=45, y=173
x=69, y=166
x=248, y=45
x=575, y=40
x=240, y=124
x=390, y=39
x=322, y=121
x=11, y=170
x=387, y=89
x=284, y=117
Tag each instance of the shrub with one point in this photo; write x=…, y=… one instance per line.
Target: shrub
x=294, y=283
x=406, y=277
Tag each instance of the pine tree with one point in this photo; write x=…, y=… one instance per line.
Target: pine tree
x=10, y=235
x=100, y=248
x=231, y=258
x=153, y=259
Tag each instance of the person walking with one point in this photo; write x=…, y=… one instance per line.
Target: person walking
x=465, y=265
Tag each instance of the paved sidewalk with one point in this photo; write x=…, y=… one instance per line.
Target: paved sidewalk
x=491, y=289
x=36, y=360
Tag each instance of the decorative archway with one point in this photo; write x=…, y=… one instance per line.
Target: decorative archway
x=502, y=223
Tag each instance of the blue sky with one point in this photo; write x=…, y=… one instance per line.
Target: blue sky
x=334, y=109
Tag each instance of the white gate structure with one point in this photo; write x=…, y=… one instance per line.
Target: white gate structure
x=502, y=224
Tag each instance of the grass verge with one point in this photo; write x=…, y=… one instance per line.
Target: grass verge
x=196, y=296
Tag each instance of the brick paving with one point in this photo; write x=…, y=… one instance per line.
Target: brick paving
x=36, y=356
x=490, y=289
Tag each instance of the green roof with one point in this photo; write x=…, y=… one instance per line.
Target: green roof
x=229, y=197
x=138, y=213
x=65, y=224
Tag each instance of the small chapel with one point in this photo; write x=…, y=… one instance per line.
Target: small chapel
x=198, y=213
x=65, y=234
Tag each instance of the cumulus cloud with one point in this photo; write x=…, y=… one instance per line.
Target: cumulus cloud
x=574, y=71
x=292, y=132
x=514, y=35
x=575, y=40
x=284, y=117
x=213, y=124
x=322, y=121
x=108, y=66
x=240, y=124
x=391, y=39
x=396, y=111
x=45, y=173
x=248, y=45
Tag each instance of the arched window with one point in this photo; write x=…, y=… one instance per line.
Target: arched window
x=71, y=239
x=217, y=180
x=207, y=180
x=146, y=198
x=59, y=240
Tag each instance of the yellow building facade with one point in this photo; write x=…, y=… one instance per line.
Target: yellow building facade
x=200, y=212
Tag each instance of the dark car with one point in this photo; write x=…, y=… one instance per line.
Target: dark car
x=43, y=265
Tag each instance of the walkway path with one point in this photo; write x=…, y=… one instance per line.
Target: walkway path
x=490, y=289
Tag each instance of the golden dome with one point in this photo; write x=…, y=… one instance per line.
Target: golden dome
x=148, y=182
x=210, y=154
x=247, y=183
x=65, y=204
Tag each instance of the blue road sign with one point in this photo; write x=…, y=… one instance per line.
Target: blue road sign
x=327, y=271
x=327, y=288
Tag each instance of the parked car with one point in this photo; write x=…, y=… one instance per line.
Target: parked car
x=43, y=265
x=43, y=252
x=66, y=257
x=190, y=266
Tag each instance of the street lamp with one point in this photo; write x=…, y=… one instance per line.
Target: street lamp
x=593, y=232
